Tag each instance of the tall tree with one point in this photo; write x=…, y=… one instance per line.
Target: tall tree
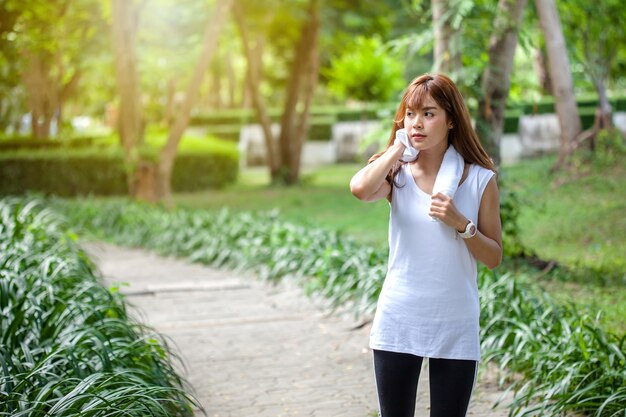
x=596, y=32
x=124, y=25
x=149, y=180
x=209, y=45
x=447, y=48
x=540, y=65
x=284, y=162
x=561, y=77
x=497, y=75
x=253, y=50
x=300, y=89
x=54, y=39
x=11, y=94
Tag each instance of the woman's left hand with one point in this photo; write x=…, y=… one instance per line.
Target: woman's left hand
x=443, y=208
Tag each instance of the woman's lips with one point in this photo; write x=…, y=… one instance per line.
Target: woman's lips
x=418, y=136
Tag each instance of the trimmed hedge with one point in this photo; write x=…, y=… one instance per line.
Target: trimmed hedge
x=511, y=121
x=228, y=132
x=201, y=171
x=227, y=117
x=239, y=117
x=547, y=105
x=587, y=116
x=71, y=172
x=14, y=143
x=226, y=124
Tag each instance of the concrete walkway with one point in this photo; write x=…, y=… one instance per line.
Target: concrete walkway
x=251, y=349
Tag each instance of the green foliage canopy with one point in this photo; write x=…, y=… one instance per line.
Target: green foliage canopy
x=366, y=71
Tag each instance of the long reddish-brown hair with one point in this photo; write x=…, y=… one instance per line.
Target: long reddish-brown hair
x=445, y=93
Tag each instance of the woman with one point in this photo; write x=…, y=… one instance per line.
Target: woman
x=429, y=307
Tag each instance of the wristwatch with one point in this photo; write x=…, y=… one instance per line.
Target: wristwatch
x=470, y=230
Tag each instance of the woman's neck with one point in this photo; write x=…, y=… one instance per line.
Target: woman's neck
x=429, y=161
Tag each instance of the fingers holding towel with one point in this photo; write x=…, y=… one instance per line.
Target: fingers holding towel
x=410, y=153
x=449, y=175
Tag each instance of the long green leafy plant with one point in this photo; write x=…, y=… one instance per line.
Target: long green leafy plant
x=67, y=345
x=568, y=363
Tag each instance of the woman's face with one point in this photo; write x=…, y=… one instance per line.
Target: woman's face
x=428, y=126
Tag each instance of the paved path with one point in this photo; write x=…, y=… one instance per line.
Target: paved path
x=251, y=349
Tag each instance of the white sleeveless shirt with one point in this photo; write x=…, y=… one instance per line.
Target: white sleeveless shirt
x=429, y=303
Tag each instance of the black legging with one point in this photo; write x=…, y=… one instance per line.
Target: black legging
x=451, y=384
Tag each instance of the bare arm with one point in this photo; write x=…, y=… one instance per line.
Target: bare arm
x=486, y=245
x=369, y=183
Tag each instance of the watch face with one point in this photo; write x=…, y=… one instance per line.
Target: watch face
x=472, y=230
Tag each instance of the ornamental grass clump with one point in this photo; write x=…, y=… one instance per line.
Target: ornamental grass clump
x=566, y=361
x=67, y=345
x=325, y=261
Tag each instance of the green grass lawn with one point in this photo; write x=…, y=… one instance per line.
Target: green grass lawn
x=323, y=200
x=580, y=224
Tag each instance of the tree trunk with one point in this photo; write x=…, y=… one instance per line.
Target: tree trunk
x=216, y=84
x=604, y=104
x=567, y=111
x=447, y=40
x=252, y=88
x=541, y=69
x=42, y=97
x=145, y=181
x=34, y=123
x=289, y=142
x=168, y=153
x=67, y=90
x=45, y=126
x=124, y=29
x=603, y=118
x=231, y=81
x=497, y=76
x=310, y=82
x=170, y=104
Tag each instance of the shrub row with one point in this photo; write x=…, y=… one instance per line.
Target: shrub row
x=320, y=129
x=547, y=105
x=569, y=362
x=71, y=172
x=226, y=123
x=68, y=347
x=27, y=142
x=273, y=249
x=239, y=117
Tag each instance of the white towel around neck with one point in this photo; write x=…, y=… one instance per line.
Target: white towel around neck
x=450, y=171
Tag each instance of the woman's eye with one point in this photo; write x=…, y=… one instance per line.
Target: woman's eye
x=409, y=113
x=428, y=114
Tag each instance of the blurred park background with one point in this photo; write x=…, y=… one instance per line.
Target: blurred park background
x=134, y=117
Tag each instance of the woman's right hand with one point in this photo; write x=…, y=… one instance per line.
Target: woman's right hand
x=397, y=149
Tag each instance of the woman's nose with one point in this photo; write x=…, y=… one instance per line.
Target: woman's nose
x=417, y=122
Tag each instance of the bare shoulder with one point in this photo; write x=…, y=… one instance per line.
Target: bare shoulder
x=489, y=222
x=491, y=194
